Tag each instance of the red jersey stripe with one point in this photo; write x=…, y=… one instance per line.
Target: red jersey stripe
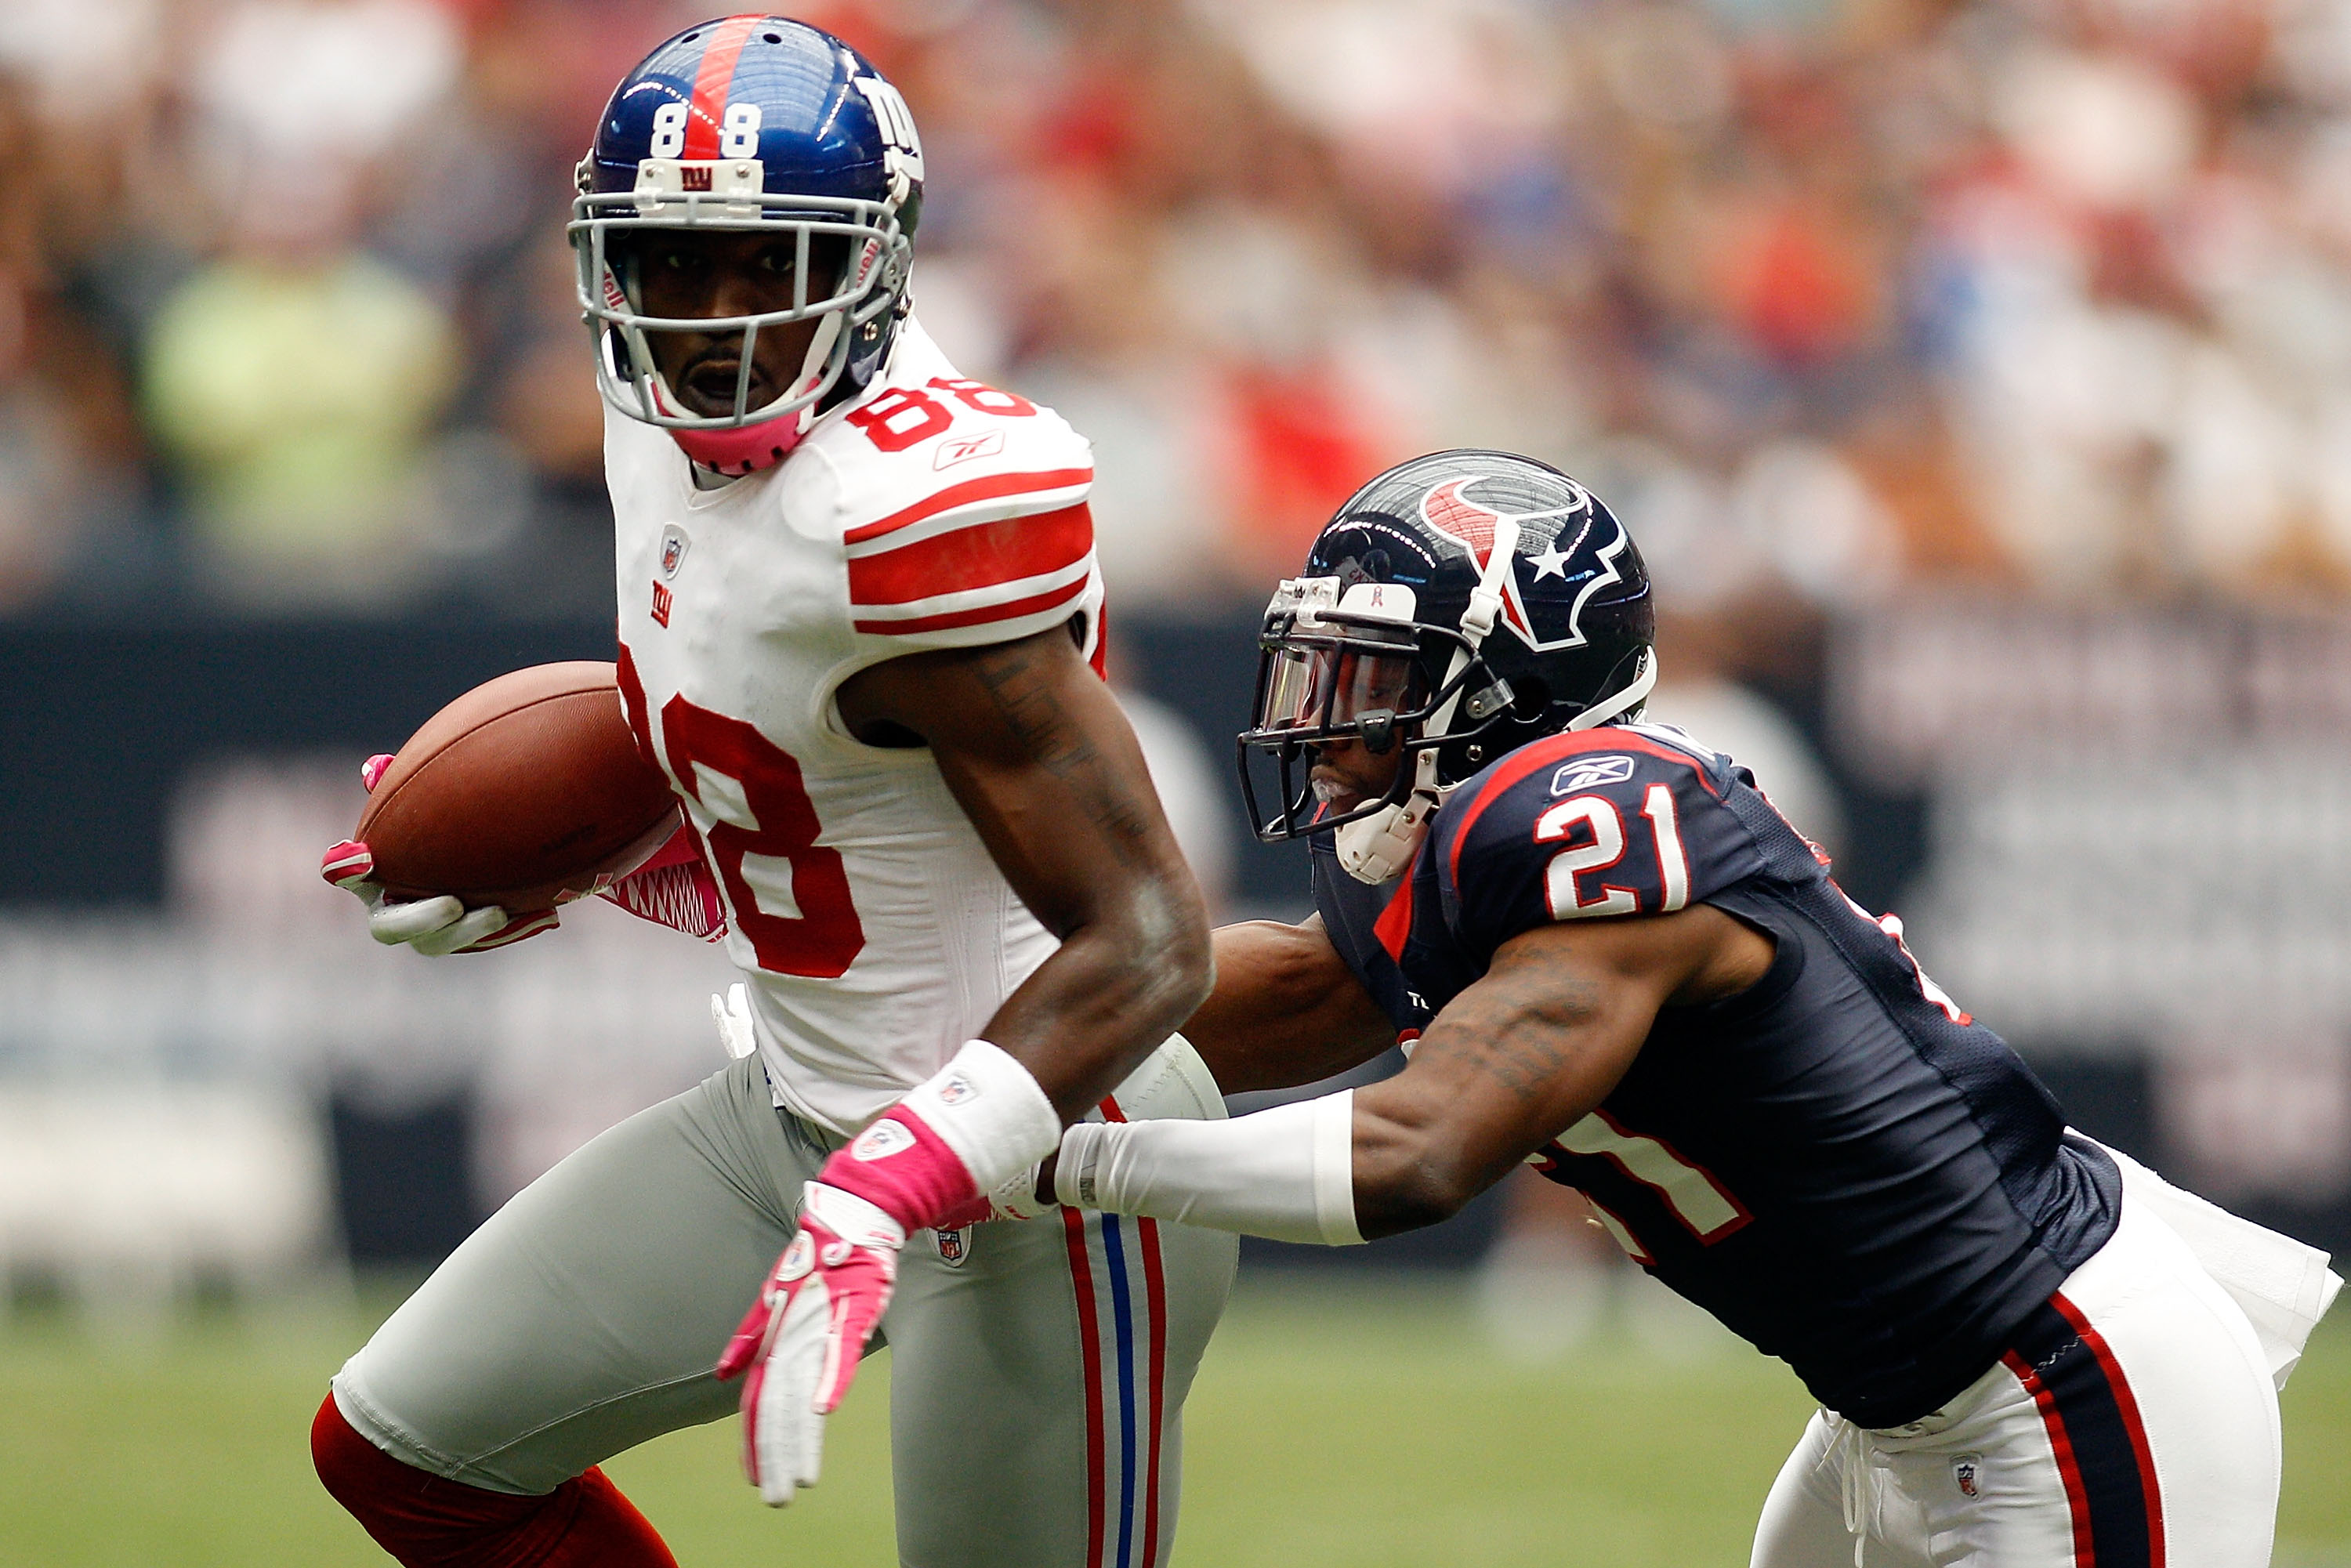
x=711, y=81
x=1036, y=603
x=2127, y=1403
x=971, y=490
x=983, y=555
x=1393, y=926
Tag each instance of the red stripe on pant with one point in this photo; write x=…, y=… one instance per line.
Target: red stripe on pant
x=2127, y=1402
x=426, y=1521
x=1154, y=1280
x=1082, y=1280
x=2077, y=1498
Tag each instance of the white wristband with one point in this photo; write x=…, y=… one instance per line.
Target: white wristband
x=1287, y=1172
x=989, y=1109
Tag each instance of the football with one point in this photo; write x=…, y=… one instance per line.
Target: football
x=525, y=792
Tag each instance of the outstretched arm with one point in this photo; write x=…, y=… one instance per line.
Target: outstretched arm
x=1286, y=1009
x=1042, y=762
x=1529, y=1050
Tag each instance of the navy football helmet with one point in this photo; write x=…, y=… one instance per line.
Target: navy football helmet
x=1457, y=606
x=751, y=123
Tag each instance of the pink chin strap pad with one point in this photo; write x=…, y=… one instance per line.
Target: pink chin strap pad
x=744, y=448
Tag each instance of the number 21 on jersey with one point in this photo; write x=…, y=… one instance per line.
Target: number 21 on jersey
x=1596, y=816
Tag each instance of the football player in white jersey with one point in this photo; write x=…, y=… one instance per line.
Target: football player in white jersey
x=861, y=629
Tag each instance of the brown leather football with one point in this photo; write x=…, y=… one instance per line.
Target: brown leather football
x=525, y=792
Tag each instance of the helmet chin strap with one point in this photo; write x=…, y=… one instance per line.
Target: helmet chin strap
x=1380, y=846
x=748, y=447
x=1633, y=693
x=1377, y=848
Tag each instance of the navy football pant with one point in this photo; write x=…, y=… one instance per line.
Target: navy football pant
x=2133, y=1423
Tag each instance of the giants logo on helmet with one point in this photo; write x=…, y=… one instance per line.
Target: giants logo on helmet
x=1449, y=511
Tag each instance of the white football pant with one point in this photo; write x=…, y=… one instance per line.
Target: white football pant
x=2132, y=1425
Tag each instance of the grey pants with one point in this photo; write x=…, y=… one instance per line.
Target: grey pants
x=1038, y=1368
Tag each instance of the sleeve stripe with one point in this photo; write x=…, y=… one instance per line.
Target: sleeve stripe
x=1036, y=604
x=986, y=488
x=981, y=555
x=978, y=598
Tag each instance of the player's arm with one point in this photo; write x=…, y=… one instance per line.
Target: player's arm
x=1529, y=1050
x=1286, y=1009
x=1042, y=759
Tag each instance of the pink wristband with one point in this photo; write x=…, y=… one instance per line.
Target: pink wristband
x=904, y=1169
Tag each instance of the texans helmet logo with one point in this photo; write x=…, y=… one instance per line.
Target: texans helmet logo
x=1470, y=524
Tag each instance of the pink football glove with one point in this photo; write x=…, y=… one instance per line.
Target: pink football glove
x=433, y=927
x=980, y=1120
x=803, y=1339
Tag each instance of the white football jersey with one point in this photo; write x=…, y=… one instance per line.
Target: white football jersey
x=929, y=512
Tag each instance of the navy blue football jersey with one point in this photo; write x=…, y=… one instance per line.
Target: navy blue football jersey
x=1838, y=1163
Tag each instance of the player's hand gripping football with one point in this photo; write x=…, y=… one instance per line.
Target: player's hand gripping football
x=433, y=927
x=803, y=1339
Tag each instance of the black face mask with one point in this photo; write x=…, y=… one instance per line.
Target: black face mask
x=1326, y=675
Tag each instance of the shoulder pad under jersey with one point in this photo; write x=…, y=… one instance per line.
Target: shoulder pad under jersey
x=1614, y=820
x=961, y=510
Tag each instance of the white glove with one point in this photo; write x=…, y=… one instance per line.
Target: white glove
x=732, y=1014
x=806, y=1333
x=433, y=927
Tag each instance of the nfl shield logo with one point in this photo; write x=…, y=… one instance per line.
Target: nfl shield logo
x=1964, y=1470
x=955, y=1246
x=672, y=550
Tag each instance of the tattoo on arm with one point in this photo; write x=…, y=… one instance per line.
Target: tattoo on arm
x=1518, y=1038
x=1024, y=695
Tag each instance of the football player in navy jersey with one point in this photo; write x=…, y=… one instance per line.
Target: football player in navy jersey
x=1620, y=963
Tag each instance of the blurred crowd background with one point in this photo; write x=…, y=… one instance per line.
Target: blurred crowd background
x=1974, y=374
x=1835, y=296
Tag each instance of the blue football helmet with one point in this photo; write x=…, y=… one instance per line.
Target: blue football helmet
x=750, y=123
x=1456, y=607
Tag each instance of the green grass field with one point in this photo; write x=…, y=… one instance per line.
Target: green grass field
x=1338, y=1425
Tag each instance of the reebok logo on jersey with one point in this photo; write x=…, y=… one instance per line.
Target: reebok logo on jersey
x=1590, y=773
x=965, y=448
x=881, y=1140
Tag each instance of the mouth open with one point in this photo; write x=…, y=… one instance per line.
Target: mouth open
x=709, y=384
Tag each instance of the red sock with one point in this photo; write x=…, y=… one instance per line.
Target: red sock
x=429, y=1522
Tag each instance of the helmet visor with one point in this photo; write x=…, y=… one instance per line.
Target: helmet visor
x=1318, y=688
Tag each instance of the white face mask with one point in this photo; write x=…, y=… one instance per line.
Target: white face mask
x=870, y=289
